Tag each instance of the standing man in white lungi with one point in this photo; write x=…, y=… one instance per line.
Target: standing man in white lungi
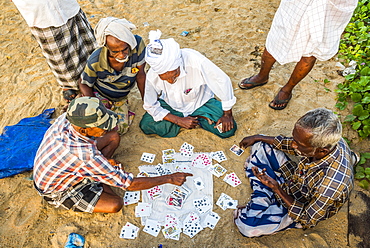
x=302, y=31
x=65, y=38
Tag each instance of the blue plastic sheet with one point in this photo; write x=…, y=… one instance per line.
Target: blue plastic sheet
x=19, y=143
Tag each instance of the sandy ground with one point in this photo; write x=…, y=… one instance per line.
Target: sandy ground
x=232, y=35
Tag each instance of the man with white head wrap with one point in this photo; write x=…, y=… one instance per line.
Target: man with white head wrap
x=113, y=69
x=186, y=83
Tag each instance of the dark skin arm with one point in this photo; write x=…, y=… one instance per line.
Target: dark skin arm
x=226, y=120
x=273, y=184
x=85, y=90
x=142, y=183
x=250, y=140
x=140, y=79
x=188, y=122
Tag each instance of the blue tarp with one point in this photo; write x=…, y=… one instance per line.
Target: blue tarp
x=19, y=143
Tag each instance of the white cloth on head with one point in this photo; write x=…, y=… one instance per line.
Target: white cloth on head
x=118, y=28
x=305, y=28
x=169, y=60
x=199, y=81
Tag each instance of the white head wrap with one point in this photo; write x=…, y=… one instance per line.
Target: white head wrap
x=119, y=28
x=162, y=55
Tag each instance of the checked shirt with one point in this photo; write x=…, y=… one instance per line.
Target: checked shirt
x=319, y=188
x=65, y=158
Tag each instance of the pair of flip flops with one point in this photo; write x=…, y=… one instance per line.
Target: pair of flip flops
x=252, y=84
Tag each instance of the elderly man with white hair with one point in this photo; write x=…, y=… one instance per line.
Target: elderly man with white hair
x=113, y=69
x=287, y=194
x=186, y=83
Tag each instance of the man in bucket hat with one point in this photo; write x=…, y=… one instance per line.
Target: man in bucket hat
x=74, y=168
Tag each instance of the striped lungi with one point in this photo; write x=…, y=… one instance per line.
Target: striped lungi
x=67, y=48
x=263, y=214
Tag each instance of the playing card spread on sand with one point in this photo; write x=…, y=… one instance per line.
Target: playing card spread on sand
x=143, y=209
x=147, y=157
x=152, y=227
x=186, y=150
x=202, y=205
x=236, y=150
x=217, y=170
x=222, y=200
x=219, y=156
x=131, y=197
x=154, y=192
x=201, y=161
x=232, y=179
x=129, y=231
x=211, y=220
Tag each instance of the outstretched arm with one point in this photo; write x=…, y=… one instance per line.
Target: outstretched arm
x=141, y=183
x=250, y=140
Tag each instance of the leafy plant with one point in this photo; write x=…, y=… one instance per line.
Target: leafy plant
x=355, y=46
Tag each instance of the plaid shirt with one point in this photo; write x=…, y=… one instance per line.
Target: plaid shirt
x=65, y=158
x=319, y=188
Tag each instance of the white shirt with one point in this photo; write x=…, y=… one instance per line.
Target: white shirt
x=47, y=13
x=199, y=81
x=305, y=28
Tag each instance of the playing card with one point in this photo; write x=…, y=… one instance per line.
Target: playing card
x=199, y=184
x=170, y=220
x=177, y=202
x=147, y=157
x=211, y=220
x=168, y=160
x=142, y=174
x=232, y=179
x=171, y=232
x=162, y=170
x=201, y=161
x=168, y=152
x=221, y=202
x=219, y=127
x=236, y=150
x=183, y=168
x=217, y=170
x=190, y=218
x=193, y=229
x=219, y=156
x=186, y=150
x=143, y=209
x=231, y=204
x=152, y=227
x=202, y=205
x=154, y=192
x=129, y=231
x=131, y=197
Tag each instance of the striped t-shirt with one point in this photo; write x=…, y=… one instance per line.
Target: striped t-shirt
x=112, y=84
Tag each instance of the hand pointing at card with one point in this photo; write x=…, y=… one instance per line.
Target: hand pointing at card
x=141, y=183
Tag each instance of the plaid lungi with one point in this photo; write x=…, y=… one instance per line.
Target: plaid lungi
x=263, y=214
x=82, y=197
x=67, y=48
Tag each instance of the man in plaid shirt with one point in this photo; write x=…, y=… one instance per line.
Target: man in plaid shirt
x=287, y=194
x=74, y=168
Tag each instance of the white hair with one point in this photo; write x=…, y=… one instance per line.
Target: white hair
x=324, y=125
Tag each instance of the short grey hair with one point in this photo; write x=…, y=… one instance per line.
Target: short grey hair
x=324, y=125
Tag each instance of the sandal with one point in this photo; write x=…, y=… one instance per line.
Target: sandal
x=252, y=84
x=70, y=94
x=279, y=102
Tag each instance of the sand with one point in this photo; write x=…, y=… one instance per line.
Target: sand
x=232, y=35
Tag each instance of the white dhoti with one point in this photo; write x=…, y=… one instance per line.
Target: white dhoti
x=305, y=28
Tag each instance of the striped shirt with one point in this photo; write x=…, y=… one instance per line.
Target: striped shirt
x=319, y=188
x=65, y=158
x=112, y=84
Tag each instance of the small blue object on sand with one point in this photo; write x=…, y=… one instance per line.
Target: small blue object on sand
x=75, y=241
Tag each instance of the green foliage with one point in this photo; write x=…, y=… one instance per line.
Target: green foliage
x=355, y=45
